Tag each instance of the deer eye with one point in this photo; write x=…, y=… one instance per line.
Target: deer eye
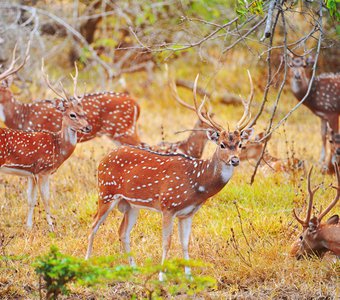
x=73, y=116
x=223, y=145
x=301, y=237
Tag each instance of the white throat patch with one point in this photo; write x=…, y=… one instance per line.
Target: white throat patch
x=227, y=172
x=2, y=113
x=71, y=136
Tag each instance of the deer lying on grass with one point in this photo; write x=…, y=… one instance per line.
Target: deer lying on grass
x=38, y=154
x=323, y=99
x=174, y=184
x=318, y=238
x=111, y=114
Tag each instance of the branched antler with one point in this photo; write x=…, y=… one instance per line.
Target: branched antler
x=311, y=193
x=337, y=196
x=12, y=69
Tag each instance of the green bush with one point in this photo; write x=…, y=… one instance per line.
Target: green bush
x=58, y=270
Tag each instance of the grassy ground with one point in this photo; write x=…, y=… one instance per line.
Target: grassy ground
x=254, y=263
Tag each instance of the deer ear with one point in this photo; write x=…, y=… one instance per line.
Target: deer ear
x=60, y=104
x=213, y=136
x=247, y=134
x=310, y=60
x=333, y=220
x=7, y=82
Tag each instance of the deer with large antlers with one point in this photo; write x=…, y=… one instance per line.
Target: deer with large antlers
x=323, y=99
x=38, y=154
x=318, y=238
x=174, y=184
x=112, y=114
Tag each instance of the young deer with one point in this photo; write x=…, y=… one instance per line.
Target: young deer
x=323, y=99
x=174, y=184
x=109, y=113
x=318, y=238
x=38, y=154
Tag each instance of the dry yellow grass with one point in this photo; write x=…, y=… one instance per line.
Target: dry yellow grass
x=255, y=265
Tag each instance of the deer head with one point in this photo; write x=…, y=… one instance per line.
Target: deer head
x=74, y=116
x=297, y=71
x=230, y=143
x=317, y=238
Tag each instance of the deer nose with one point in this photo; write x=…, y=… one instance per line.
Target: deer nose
x=88, y=128
x=235, y=161
x=338, y=151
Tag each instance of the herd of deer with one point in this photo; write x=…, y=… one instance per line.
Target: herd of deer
x=170, y=178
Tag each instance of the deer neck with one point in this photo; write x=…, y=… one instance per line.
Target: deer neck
x=194, y=144
x=300, y=87
x=10, y=109
x=330, y=237
x=67, y=140
x=212, y=175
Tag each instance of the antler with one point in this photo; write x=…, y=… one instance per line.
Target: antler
x=245, y=119
x=205, y=117
x=11, y=69
x=310, y=204
x=75, y=82
x=47, y=81
x=337, y=196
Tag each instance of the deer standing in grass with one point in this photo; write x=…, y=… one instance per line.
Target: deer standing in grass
x=38, y=154
x=318, y=238
x=323, y=99
x=112, y=114
x=175, y=185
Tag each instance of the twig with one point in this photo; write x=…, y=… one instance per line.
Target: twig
x=278, y=94
x=319, y=25
x=241, y=224
x=268, y=28
x=67, y=26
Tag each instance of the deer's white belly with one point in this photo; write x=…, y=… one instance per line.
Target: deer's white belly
x=13, y=171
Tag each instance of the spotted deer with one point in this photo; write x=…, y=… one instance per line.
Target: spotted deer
x=112, y=114
x=318, y=238
x=38, y=154
x=323, y=99
x=175, y=185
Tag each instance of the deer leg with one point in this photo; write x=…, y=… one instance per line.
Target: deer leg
x=43, y=183
x=32, y=200
x=129, y=220
x=168, y=222
x=184, y=229
x=103, y=211
x=334, y=125
x=324, y=140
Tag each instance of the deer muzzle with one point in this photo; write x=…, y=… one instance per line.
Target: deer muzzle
x=234, y=161
x=87, y=129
